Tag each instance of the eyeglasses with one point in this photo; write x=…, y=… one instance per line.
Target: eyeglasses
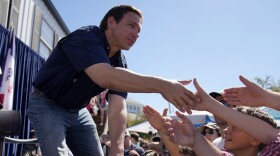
x=226, y=104
x=209, y=131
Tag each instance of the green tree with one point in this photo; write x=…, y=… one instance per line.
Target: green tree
x=268, y=83
x=132, y=120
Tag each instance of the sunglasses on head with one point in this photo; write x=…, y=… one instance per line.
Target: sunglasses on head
x=208, y=131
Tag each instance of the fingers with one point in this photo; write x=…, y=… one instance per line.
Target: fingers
x=185, y=82
x=182, y=117
x=164, y=113
x=150, y=110
x=198, y=88
x=230, y=90
x=147, y=111
x=185, y=106
x=189, y=101
x=166, y=119
x=244, y=80
x=248, y=83
x=178, y=106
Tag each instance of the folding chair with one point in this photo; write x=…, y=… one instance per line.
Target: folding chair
x=10, y=125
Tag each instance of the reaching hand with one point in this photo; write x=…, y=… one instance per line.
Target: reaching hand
x=179, y=96
x=250, y=95
x=154, y=117
x=206, y=101
x=181, y=132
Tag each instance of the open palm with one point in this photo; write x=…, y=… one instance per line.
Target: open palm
x=181, y=131
x=154, y=117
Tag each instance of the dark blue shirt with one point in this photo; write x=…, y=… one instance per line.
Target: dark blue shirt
x=139, y=150
x=62, y=77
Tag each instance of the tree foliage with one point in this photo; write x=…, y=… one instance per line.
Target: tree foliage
x=268, y=83
x=131, y=120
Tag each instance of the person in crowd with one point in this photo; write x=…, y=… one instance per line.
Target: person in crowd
x=210, y=131
x=131, y=148
x=133, y=153
x=92, y=106
x=154, y=118
x=144, y=144
x=104, y=138
x=252, y=95
x=151, y=153
x=103, y=106
x=222, y=124
x=134, y=137
x=252, y=138
x=105, y=143
x=186, y=151
x=82, y=65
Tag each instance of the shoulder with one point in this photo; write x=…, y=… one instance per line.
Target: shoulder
x=87, y=32
x=224, y=153
x=139, y=150
x=272, y=148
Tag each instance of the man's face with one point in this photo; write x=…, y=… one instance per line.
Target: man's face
x=127, y=142
x=125, y=33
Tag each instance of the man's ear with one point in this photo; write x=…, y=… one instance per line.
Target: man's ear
x=111, y=21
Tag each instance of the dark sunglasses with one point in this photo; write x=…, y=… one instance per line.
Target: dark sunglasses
x=224, y=103
x=208, y=131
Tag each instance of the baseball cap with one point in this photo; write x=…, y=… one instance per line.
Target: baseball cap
x=127, y=133
x=210, y=125
x=215, y=94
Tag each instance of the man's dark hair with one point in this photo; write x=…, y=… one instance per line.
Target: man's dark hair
x=117, y=12
x=256, y=112
x=135, y=136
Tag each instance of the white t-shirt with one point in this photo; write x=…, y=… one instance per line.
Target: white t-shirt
x=220, y=142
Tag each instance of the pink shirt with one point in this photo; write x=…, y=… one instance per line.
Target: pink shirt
x=272, y=149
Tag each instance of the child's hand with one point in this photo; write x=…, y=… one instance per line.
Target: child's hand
x=206, y=101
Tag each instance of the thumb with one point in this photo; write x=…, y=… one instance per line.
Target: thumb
x=182, y=117
x=245, y=81
x=184, y=82
x=164, y=112
x=197, y=86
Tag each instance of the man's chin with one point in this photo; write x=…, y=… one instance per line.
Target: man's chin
x=126, y=48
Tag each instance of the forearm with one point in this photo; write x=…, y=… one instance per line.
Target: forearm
x=117, y=117
x=203, y=147
x=242, y=120
x=124, y=80
x=273, y=100
x=121, y=79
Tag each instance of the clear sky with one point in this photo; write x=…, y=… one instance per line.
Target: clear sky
x=214, y=41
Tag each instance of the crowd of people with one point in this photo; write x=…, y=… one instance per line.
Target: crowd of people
x=241, y=128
